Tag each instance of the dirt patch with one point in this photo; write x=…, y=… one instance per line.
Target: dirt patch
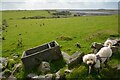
x=65, y=38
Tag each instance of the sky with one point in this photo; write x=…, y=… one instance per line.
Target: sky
x=57, y=4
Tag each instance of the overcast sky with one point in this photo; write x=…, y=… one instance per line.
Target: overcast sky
x=58, y=4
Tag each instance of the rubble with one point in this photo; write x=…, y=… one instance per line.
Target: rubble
x=3, y=63
x=66, y=57
x=97, y=46
x=67, y=71
x=44, y=67
x=75, y=59
x=57, y=75
x=31, y=75
x=48, y=76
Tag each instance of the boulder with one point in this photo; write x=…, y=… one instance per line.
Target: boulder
x=66, y=57
x=75, y=59
x=96, y=45
x=44, y=67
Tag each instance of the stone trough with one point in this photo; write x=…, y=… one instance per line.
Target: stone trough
x=46, y=52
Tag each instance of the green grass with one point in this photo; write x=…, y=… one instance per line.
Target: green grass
x=84, y=30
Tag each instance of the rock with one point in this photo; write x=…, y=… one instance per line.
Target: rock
x=78, y=45
x=116, y=41
x=67, y=71
x=3, y=63
x=75, y=59
x=57, y=75
x=94, y=51
x=44, y=67
x=41, y=77
x=66, y=57
x=31, y=75
x=48, y=76
x=12, y=78
x=115, y=49
x=15, y=56
x=118, y=67
x=96, y=45
x=16, y=66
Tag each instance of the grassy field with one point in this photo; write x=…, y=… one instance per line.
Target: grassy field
x=34, y=32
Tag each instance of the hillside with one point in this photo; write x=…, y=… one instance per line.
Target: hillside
x=66, y=31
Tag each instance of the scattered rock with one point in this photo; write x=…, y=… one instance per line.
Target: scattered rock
x=75, y=59
x=44, y=67
x=118, y=67
x=40, y=77
x=118, y=42
x=67, y=71
x=96, y=45
x=15, y=56
x=12, y=78
x=114, y=49
x=57, y=75
x=31, y=75
x=95, y=51
x=78, y=45
x=3, y=63
x=16, y=68
x=48, y=76
x=66, y=57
